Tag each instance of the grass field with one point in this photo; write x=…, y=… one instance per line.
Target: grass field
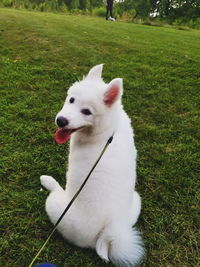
x=41, y=55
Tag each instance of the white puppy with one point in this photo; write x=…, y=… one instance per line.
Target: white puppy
x=103, y=214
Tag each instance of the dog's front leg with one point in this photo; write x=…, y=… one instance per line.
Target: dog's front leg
x=57, y=199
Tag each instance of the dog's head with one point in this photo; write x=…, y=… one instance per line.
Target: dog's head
x=89, y=105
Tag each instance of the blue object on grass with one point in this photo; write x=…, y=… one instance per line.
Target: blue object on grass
x=46, y=265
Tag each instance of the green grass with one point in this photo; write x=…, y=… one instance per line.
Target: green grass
x=41, y=55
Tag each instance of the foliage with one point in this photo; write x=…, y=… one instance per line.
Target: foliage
x=99, y=11
x=52, y=5
x=176, y=8
x=186, y=12
x=126, y=9
x=7, y=3
x=191, y=23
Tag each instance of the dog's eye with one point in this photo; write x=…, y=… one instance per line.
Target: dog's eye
x=71, y=100
x=86, y=111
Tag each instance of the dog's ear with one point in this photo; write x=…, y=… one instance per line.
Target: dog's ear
x=95, y=72
x=113, y=92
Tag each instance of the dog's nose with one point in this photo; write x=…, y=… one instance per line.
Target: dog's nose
x=62, y=122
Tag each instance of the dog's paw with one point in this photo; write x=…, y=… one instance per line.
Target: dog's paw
x=49, y=183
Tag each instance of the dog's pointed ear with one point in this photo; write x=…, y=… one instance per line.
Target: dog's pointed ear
x=95, y=72
x=113, y=92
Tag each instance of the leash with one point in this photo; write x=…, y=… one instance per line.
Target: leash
x=71, y=202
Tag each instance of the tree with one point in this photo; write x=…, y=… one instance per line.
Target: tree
x=141, y=8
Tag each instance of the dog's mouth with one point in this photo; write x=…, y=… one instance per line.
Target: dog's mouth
x=63, y=135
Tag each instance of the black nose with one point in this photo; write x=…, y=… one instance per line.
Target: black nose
x=61, y=121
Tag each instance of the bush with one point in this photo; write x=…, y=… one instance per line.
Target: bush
x=99, y=11
x=63, y=8
x=192, y=23
x=8, y=3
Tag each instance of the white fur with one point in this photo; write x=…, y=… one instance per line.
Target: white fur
x=103, y=214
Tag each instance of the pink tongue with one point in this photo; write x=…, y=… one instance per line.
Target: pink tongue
x=62, y=135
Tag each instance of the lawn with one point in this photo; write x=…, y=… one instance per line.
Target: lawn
x=41, y=55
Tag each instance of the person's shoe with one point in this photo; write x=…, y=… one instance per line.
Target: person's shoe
x=112, y=19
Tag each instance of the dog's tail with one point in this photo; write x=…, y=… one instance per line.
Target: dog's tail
x=123, y=246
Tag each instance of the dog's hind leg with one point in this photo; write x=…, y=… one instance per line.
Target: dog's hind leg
x=50, y=183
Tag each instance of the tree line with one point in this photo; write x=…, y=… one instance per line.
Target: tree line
x=53, y=5
x=163, y=9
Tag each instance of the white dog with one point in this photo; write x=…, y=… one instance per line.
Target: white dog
x=103, y=214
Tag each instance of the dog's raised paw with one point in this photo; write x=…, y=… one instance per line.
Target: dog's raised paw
x=49, y=183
